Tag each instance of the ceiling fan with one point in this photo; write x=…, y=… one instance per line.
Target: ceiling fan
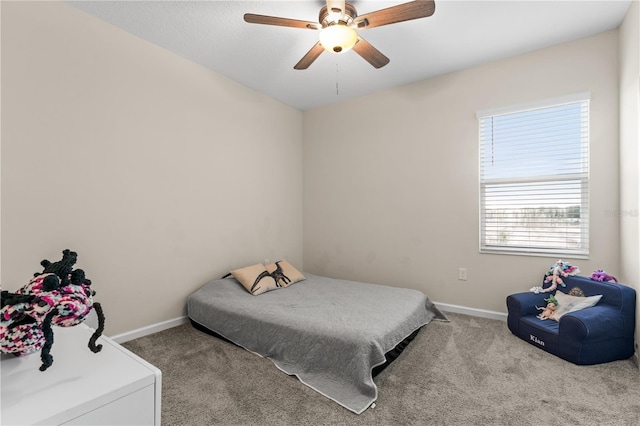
x=338, y=22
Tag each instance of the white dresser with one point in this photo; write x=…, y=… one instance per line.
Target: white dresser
x=111, y=387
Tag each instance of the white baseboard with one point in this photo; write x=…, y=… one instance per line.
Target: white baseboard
x=154, y=328
x=150, y=329
x=445, y=307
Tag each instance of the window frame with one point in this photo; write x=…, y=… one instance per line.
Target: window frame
x=583, y=177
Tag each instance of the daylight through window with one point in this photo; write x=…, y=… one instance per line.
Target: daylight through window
x=534, y=178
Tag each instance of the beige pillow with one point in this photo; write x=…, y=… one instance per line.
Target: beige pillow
x=568, y=303
x=255, y=279
x=284, y=273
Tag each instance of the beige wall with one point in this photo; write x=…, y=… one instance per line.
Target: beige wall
x=391, y=192
x=160, y=173
x=630, y=150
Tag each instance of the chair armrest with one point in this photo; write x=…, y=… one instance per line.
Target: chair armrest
x=524, y=304
x=521, y=305
x=593, y=322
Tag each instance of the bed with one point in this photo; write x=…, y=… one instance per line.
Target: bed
x=330, y=333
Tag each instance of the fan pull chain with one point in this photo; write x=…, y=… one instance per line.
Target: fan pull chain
x=337, y=88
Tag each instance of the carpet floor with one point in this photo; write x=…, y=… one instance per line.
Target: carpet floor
x=469, y=371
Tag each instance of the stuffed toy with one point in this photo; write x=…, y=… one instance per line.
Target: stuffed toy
x=25, y=322
x=58, y=296
x=556, y=273
x=602, y=276
x=549, y=310
x=554, y=276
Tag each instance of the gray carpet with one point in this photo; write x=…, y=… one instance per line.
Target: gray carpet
x=470, y=371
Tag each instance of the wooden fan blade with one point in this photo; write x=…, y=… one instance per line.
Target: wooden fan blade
x=281, y=22
x=402, y=12
x=370, y=53
x=310, y=56
x=335, y=6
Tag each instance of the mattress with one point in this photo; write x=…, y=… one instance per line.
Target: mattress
x=330, y=333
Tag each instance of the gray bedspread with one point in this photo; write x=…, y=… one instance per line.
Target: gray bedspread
x=330, y=333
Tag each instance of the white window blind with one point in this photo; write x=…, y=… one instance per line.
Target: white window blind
x=534, y=178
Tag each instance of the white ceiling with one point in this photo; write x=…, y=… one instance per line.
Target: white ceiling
x=460, y=34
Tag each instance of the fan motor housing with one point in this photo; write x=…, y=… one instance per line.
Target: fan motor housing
x=346, y=18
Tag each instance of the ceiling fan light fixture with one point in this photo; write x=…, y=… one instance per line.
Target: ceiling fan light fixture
x=338, y=22
x=338, y=38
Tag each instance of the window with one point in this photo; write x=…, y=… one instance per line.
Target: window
x=534, y=178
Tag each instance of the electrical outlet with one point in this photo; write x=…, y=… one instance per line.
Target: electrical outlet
x=462, y=274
